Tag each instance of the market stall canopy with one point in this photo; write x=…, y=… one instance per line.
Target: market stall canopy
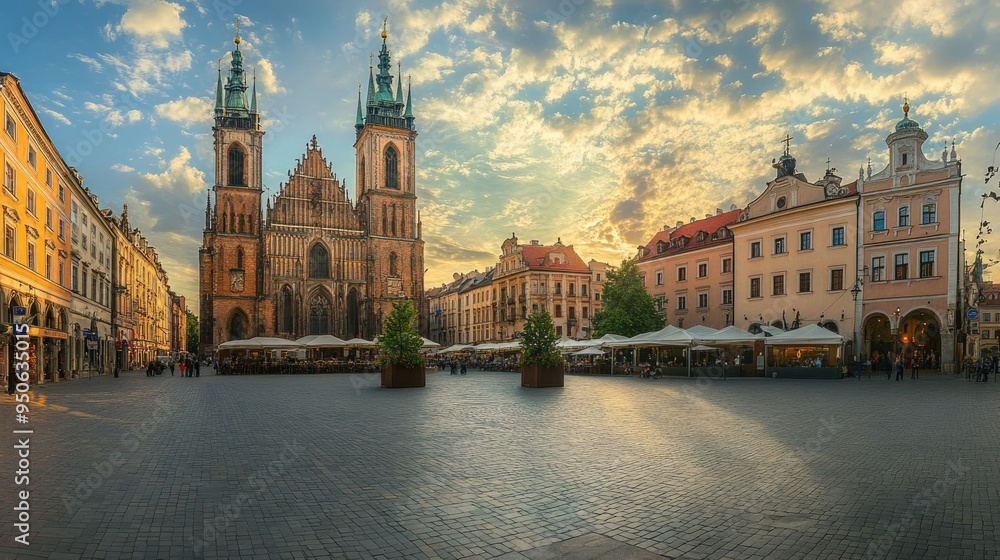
x=428, y=343
x=515, y=345
x=611, y=338
x=771, y=331
x=324, y=341
x=259, y=343
x=729, y=335
x=359, y=343
x=570, y=344
x=809, y=335
x=703, y=348
x=306, y=339
x=487, y=347
x=458, y=348
x=701, y=331
x=645, y=339
x=589, y=352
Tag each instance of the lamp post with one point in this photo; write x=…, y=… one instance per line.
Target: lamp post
x=895, y=331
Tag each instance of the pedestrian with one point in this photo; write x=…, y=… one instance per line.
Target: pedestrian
x=857, y=369
x=914, y=367
x=888, y=367
x=149, y=369
x=453, y=368
x=899, y=368
x=171, y=368
x=463, y=371
x=189, y=367
x=197, y=367
x=182, y=368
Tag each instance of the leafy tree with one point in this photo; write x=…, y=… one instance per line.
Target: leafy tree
x=628, y=309
x=538, y=341
x=193, y=332
x=400, y=343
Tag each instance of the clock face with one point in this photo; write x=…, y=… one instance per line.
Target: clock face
x=831, y=189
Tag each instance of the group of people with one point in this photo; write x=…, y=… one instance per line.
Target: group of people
x=899, y=363
x=188, y=367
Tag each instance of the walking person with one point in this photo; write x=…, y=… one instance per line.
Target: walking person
x=197, y=367
x=888, y=367
x=463, y=370
x=171, y=368
x=914, y=367
x=899, y=368
x=149, y=369
x=182, y=368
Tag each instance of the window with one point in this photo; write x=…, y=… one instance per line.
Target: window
x=902, y=264
x=878, y=269
x=682, y=302
x=659, y=278
x=48, y=266
x=583, y=290
x=928, y=214
x=597, y=296
x=727, y=296
x=558, y=289
x=838, y=236
x=62, y=274
x=754, y=249
x=586, y=312
x=805, y=240
x=559, y=331
x=9, y=126
x=904, y=216
x=986, y=333
x=62, y=193
x=727, y=265
x=926, y=264
x=986, y=317
x=30, y=204
x=837, y=279
x=755, y=287
x=9, y=242
x=391, y=168
x=778, y=285
x=702, y=270
x=805, y=282
x=93, y=240
x=682, y=274
x=32, y=157
x=702, y=301
x=31, y=256
x=779, y=245
x=572, y=313
x=73, y=279
x=62, y=229
x=598, y=277
x=8, y=179
x=48, y=218
x=558, y=311
x=878, y=221
x=94, y=294
x=905, y=156
x=48, y=177
x=237, y=160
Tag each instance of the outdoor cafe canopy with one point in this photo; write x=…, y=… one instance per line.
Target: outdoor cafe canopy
x=259, y=343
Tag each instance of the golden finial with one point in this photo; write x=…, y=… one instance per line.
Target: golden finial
x=371, y=59
x=237, y=39
x=906, y=107
x=385, y=23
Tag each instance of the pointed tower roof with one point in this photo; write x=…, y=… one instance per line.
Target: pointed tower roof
x=219, y=107
x=409, y=99
x=360, y=121
x=399, y=84
x=384, y=78
x=253, y=95
x=371, y=82
x=236, y=87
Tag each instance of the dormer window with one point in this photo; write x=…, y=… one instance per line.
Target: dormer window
x=660, y=247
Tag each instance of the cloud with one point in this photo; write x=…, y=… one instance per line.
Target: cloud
x=156, y=23
x=267, y=77
x=56, y=115
x=90, y=62
x=122, y=168
x=189, y=111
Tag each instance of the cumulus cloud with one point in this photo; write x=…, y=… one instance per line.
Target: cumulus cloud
x=56, y=115
x=189, y=111
x=154, y=22
x=122, y=168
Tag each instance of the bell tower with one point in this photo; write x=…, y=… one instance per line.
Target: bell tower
x=386, y=192
x=230, y=273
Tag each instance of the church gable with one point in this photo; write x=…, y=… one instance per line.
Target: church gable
x=313, y=196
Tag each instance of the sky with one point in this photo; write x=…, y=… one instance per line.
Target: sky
x=596, y=122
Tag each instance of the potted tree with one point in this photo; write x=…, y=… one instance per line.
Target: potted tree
x=399, y=345
x=541, y=363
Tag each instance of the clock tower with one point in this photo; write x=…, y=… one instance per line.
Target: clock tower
x=230, y=270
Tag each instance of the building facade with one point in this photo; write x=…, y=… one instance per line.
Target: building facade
x=33, y=266
x=688, y=269
x=91, y=256
x=910, y=251
x=313, y=261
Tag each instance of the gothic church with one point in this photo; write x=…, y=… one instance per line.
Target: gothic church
x=312, y=261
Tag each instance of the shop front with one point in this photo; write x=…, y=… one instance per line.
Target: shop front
x=811, y=352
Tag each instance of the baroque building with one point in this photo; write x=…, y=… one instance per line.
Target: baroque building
x=312, y=261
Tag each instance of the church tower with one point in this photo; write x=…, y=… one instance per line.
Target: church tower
x=386, y=192
x=231, y=275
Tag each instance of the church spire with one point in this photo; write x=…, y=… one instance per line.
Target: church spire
x=399, y=86
x=371, y=82
x=359, y=122
x=236, y=87
x=253, y=94
x=408, y=115
x=219, y=107
x=384, y=79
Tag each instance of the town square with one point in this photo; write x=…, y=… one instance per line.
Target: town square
x=478, y=279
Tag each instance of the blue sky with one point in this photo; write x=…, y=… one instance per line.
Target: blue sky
x=594, y=121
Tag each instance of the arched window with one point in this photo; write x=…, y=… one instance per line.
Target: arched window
x=249, y=223
x=232, y=222
x=391, y=168
x=402, y=224
x=319, y=315
x=385, y=220
x=286, y=309
x=319, y=262
x=239, y=258
x=237, y=158
x=238, y=326
x=242, y=223
x=393, y=264
x=361, y=174
x=393, y=218
x=50, y=319
x=352, y=314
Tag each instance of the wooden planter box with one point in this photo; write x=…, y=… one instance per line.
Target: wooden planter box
x=395, y=377
x=538, y=376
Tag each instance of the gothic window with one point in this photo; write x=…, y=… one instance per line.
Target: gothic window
x=391, y=168
x=242, y=224
x=238, y=326
x=361, y=173
x=249, y=223
x=239, y=258
x=393, y=264
x=352, y=314
x=319, y=315
x=223, y=229
x=237, y=159
x=232, y=222
x=385, y=220
x=286, y=309
x=394, y=219
x=319, y=262
x=402, y=224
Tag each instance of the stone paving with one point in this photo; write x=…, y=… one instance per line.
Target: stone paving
x=331, y=466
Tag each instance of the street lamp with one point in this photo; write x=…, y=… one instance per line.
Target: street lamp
x=895, y=330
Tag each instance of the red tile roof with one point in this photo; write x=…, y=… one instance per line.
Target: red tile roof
x=540, y=257
x=709, y=225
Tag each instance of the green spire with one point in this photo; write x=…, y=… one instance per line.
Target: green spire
x=236, y=88
x=219, y=108
x=399, y=86
x=409, y=100
x=371, y=83
x=253, y=95
x=360, y=122
x=384, y=79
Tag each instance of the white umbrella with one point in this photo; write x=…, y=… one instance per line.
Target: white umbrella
x=430, y=343
x=325, y=341
x=515, y=345
x=459, y=348
x=487, y=347
x=589, y=352
x=359, y=343
x=259, y=343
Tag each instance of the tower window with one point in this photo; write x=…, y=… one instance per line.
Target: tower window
x=319, y=262
x=393, y=264
x=391, y=168
x=237, y=159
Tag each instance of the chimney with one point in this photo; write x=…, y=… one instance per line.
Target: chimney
x=732, y=207
x=534, y=242
x=693, y=219
x=679, y=224
x=718, y=211
x=708, y=216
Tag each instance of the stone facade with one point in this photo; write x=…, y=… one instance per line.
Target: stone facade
x=312, y=261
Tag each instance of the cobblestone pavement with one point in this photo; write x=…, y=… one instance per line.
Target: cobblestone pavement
x=477, y=467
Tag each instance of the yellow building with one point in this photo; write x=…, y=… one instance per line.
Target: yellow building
x=33, y=266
